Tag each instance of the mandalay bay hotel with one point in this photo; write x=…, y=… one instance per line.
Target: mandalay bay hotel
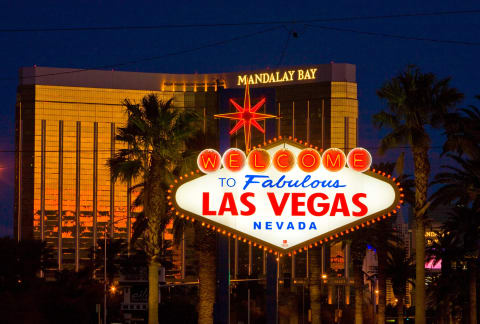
x=66, y=122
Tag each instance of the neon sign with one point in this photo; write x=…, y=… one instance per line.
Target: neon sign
x=286, y=195
x=246, y=116
x=277, y=76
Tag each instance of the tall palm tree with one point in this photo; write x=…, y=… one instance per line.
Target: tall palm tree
x=206, y=248
x=444, y=247
x=155, y=134
x=358, y=250
x=384, y=238
x=205, y=239
x=464, y=223
x=415, y=101
x=461, y=186
x=400, y=269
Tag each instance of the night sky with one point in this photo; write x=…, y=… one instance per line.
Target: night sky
x=377, y=57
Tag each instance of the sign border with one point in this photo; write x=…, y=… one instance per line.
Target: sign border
x=317, y=240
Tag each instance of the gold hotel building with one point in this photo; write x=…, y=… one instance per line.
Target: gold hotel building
x=66, y=122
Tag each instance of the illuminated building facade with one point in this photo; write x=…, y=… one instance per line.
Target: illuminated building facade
x=65, y=132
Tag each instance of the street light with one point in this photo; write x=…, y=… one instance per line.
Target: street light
x=105, y=290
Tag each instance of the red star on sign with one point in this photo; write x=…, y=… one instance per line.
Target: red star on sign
x=246, y=116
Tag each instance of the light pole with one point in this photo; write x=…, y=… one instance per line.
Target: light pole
x=373, y=293
x=105, y=276
x=105, y=290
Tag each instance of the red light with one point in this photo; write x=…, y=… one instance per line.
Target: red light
x=359, y=159
x=246, y=117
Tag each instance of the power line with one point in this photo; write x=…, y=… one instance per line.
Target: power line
x=152, y=58
x=285, y=47
x=395, y=35
x=225, y=41
x=248, y=23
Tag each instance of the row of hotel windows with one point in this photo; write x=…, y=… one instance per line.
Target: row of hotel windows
x=75, y=188
x=67, y=152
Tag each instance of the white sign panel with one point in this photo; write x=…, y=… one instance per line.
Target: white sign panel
x=286, y=210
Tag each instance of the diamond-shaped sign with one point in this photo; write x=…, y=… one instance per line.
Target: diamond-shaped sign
x=285, y=211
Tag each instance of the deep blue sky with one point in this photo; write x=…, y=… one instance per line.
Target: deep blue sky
x=377, y=58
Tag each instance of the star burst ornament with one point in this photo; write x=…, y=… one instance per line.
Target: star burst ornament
x=246, y=116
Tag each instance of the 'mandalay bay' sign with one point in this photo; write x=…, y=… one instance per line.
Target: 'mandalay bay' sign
x=277, y=76
x=286, y=195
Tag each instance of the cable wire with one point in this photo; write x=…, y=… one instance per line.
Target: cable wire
x=225, y=41
x=152, y=58
x=394, y=35
x=285, y=47
x=248, y=23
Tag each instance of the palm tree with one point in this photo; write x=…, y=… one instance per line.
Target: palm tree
x=460, y=184
x=155, y=134
x=444, y=248
x=464, y=223
x=206, y=248
x=22, y=261
x=463, y=133
x=416, y=100
x=384, y=239
x=205, y=239
x=401, y=271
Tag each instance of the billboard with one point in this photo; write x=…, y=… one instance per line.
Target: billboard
x=286, y=195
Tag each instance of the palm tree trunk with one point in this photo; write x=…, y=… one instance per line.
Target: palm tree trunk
x=153, y=268
x=382, y=284
x=315, y=255
x=420, y=272
x=400, y=309
x=472, y=291
x=206, y=244
x=445, y=273
x=154, y=209
x=422, y=171
x=358, y=284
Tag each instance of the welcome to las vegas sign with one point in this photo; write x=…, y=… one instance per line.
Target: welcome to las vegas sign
x=285, y=196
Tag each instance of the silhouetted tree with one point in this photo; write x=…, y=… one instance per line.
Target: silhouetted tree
x=155, y=135
x=415, y=101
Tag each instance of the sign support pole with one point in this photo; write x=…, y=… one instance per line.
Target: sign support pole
x=271, y=264
x=272, y=289
x=222, y=305
x=222, y=300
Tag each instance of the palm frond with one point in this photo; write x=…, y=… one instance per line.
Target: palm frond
x=414, y=100
x=398, y=137
x=123, y=168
